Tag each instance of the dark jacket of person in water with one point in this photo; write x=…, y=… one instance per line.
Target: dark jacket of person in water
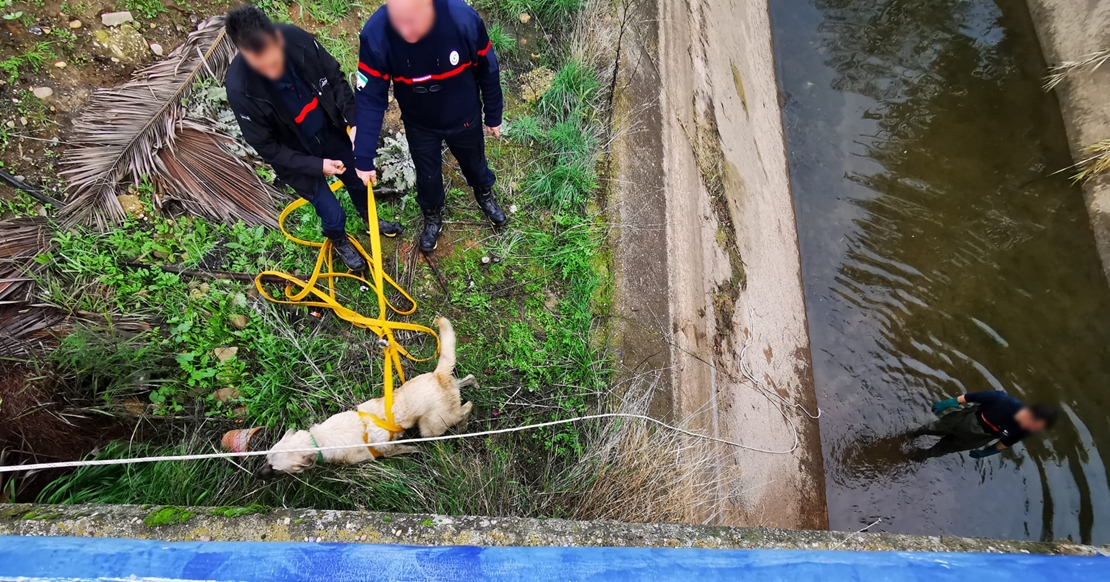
x=990, y=422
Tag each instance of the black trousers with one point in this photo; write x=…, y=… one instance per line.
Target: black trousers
x=333, y=220
x=469, y=147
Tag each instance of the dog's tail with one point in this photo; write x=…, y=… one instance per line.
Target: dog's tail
x=446, y=367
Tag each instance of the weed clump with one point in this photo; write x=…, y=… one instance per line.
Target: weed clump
x=164, y=516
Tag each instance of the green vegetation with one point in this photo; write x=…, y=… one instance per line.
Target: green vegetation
x=252, y=509
x=34, y=57
x=148, y=9
x=503, y=44
x=329, y=11
x=555, y=14
x=343, y=47
x=167, y=516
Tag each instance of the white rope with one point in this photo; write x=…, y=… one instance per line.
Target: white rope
x=200, y=457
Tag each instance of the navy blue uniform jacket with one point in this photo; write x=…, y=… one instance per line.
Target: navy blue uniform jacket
x=441, y=82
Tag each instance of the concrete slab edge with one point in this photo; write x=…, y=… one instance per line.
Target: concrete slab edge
x=301, y=525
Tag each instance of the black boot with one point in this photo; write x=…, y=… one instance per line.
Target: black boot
x=349, y=254
x=433, y=225
x=390, y=229
x=484, y=196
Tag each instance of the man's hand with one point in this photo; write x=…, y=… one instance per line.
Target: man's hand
x=352, y=135
x=494, y=131
x=333, y=167
x=370, y=177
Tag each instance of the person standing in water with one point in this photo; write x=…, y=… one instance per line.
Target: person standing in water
x=990, y=422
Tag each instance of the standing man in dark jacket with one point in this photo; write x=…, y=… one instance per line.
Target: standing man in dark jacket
x=438, y=56
x=992, y=421
x=294, y=106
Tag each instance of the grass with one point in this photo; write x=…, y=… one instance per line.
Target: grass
x=342, y=47
x=330, y=11
x=1096, y=162
x=503, y=44
x=554, y=14
x=148, y=9
x=34, y=57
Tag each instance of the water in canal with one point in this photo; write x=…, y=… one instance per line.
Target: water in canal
x=938, y=259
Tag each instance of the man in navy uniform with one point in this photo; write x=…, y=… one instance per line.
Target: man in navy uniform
x=438, y=56
x=294, y=106
x=992, y=421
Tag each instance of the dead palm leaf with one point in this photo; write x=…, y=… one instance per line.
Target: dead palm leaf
x=27, y=329
x=211, y=181
x=21, y=240
x=123, y=131
x=1092, y=61
x=1095, y=164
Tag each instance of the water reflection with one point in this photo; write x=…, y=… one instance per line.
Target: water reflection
x=937, y=259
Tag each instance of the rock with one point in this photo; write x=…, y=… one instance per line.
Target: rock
x=226, y=394
x=153, y=26
x=116, y=18
x=225, y=354
x=10, y=123
x=156, y=49
x=22, y=120
x=131, y=205
x=43, y=92
x=535, y=83
x=75, y=24
x=123, y=44
x=46, y=30
x=239, y=321
x=34, y=29
x=60, y=64
x=525, y=17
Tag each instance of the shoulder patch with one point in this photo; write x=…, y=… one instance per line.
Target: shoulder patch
x=360, y=80
x=454, y=57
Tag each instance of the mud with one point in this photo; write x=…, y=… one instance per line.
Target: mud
x=707, y=254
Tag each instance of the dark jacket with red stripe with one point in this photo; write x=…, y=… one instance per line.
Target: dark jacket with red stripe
x=267, y=124
x=441, y=82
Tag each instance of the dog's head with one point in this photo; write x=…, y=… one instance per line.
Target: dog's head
x=282, y=459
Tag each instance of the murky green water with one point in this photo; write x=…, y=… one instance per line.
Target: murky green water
x=937, y=259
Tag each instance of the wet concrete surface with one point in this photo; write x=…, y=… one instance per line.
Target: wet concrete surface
x=938, y=259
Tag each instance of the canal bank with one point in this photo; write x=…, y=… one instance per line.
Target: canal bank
x=1068, y=31
x=940, y=257
x=706, y=258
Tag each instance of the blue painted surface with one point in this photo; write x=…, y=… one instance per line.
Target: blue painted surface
x=30, y=558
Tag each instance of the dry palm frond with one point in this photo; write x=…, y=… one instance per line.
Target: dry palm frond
x=21, y=239
x=1095, y=164
x=1091, y=62
x=27, y=329
x=210, y=181
x=121, y=131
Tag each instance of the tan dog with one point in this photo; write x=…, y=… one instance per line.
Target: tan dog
x=430, y=401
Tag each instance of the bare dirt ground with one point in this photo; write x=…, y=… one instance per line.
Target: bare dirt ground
x=1069, y=30
x=703, y=133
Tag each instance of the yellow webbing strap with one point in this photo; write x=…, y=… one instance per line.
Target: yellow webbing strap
x=308, y=294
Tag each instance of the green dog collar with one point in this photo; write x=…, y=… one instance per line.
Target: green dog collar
x=319, y=454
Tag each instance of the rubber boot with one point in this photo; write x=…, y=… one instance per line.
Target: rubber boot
x=390, y=229
x=484, y=196
x=349, y=254
x=433, y=226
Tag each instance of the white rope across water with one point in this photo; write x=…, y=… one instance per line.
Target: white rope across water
x=201, y=457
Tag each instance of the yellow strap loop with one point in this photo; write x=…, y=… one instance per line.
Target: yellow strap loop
x=309, y=294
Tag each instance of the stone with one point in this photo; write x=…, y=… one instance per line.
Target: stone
x=156, y=49
x=239, y=321
x=535, y=83
x=60, y=64
x=75, y=24
x=116, y=18
x=42, y=92
x=131, y=205
x=10, y=123
x=225, y=354
x=123, y=44
x=226, y=394
x=525, y=17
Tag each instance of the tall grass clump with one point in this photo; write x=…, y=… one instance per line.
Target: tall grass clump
x=503, y=44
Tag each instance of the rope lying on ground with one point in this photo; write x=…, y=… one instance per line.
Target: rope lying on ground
x=204, y=456
x=306, y=294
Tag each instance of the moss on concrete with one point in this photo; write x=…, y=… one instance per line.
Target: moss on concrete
x=307, y=525
x=168, y=515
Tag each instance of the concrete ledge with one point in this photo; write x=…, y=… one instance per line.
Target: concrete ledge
x=221, y=524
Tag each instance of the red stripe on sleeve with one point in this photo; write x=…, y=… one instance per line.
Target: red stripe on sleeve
x=307, y=109
x=372, y=72
x=483, y=52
